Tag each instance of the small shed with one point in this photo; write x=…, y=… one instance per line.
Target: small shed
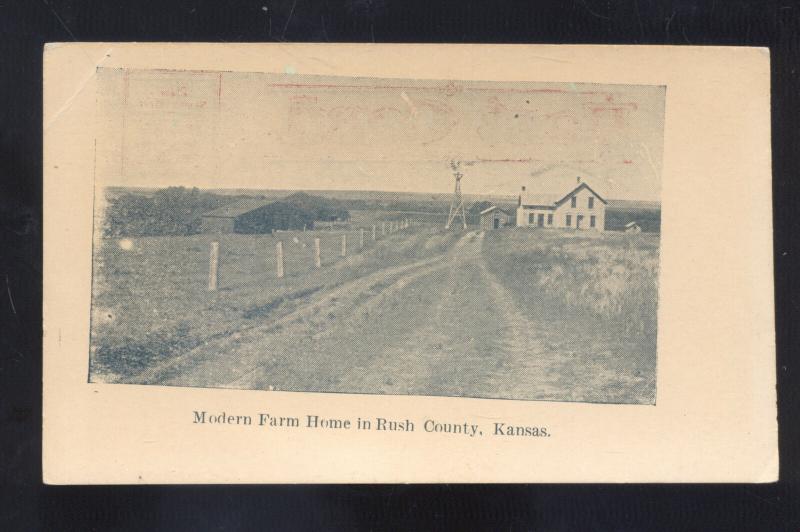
x=494, y=218
x=633, y=227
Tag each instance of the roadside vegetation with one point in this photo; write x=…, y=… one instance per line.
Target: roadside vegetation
x=601, y=289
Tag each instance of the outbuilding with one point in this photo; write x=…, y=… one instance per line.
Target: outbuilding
x=494, y=218
x=254, y=216
x=633, y=227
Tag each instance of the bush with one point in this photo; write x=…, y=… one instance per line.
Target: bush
x=169, y=211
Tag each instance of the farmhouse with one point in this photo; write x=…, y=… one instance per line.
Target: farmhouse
x=494, y=218
x=253, y=216
x=561, y=198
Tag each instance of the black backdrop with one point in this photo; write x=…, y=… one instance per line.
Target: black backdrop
x=28, y=505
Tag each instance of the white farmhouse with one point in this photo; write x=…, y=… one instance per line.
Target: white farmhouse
x=561, y=198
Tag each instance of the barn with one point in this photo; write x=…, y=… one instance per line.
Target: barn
x=561, y=198
x=494, y=218
x=254, y=216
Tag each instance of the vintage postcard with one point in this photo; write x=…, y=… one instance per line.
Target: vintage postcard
x=296, y=253
x=377, y=236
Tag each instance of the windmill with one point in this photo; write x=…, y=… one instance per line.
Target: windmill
x=457, y=204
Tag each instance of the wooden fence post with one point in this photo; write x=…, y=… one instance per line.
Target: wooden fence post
x=361, y=239
x=213, y=267
x=344, y=245
x=317, y=259
x=383, y=228
x=373, y=233
x=279, y=258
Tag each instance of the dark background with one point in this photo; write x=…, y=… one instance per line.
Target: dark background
x=28, y=505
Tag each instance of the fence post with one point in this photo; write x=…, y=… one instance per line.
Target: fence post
x=361, y=239
x=383, y=228
x=344, y=245
x=317, y=259
x=213, y=267
x=279, y=258
x=373, y=233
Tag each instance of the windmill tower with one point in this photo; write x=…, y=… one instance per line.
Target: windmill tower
x=457, y=204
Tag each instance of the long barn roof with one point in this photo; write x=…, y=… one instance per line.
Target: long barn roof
x=237, y=208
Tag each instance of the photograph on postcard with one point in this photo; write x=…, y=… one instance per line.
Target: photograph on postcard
x=458, y=238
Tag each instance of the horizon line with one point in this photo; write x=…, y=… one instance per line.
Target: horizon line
x=374, y=191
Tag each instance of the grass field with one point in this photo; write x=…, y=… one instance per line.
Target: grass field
x=151, y=301
x=598, y=291
x=516, y=313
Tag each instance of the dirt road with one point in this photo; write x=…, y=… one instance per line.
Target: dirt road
x=439, y=326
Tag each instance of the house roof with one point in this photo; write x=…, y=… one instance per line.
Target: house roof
x=493, y=208
x=553, y=185
x=237, y=208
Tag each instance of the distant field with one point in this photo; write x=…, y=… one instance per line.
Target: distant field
x=597, y=292
x=365, y=218
x=366, y=195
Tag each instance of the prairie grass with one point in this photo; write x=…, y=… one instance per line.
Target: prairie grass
x=600, y=290
x=612, y=275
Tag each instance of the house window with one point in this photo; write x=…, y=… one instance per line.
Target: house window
x=530, y=219
x=549, y=219
x=569, y=220
x=591, y=203
x=541, y=220
x=573, y=201
x=591, y=221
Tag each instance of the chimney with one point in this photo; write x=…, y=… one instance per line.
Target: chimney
x=578, y=179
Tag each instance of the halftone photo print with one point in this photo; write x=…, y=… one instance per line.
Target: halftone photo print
x=458, y=238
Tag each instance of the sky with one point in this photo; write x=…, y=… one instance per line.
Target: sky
x=281, y=131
